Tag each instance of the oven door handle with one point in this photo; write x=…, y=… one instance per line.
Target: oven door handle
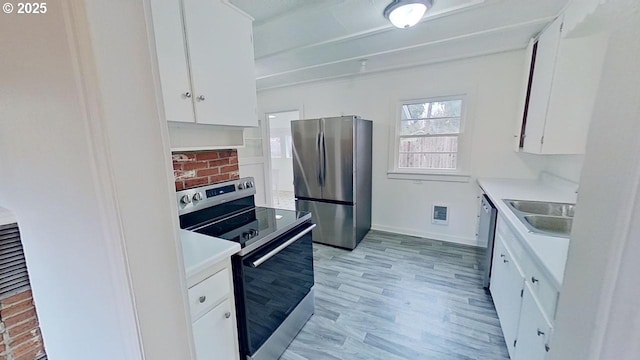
x=282, y=246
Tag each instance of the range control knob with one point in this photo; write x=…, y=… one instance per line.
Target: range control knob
x=198, y=196
x=241, y=186
x=185, y=200
x=249, y=184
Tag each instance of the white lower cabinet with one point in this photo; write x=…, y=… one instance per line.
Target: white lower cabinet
x=506, y=286
x=213, y=314
x=213, y=334
x=524, y=298
x=534, y=329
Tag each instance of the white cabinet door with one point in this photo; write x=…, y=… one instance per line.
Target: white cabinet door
x=213, y=334
x=506, y=286
x=573, y=93
x=534, y=330
x=541, y=86
x=172, y=60
x=222, y=63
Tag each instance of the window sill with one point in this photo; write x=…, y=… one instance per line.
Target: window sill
x=445, y=177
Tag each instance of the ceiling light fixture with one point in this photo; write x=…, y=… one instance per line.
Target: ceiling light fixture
x=406, y=13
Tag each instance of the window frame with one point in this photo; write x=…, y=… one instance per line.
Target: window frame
x=460, y=174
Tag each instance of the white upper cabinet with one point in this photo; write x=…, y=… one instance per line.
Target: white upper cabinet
x=562, y=92
x=222, y=64
x=206, y=62
x=544, y=66
x=172, y=60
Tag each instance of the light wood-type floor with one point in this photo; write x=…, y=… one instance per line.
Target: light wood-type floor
x=399, y=297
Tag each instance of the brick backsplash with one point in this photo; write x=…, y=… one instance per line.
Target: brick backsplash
x=20, y=336
x=198, y=168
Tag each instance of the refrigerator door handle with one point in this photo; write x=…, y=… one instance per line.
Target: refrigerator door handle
x=324, y=160
x=319, y=152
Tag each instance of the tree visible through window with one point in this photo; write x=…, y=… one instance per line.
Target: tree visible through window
x=429, y=135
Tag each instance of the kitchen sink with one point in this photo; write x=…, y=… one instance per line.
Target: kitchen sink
x=543, y=208
x=556, y=225
x=547, y=218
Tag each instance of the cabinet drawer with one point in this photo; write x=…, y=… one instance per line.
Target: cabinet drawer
x=545, y=292
x=206, y=294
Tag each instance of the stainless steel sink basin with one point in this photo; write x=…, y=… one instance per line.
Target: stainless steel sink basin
x=543, y=208
x=547, y=218
x=556, y=225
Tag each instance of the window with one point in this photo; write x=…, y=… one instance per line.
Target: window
x=276, y=147
x=429, y=137
x=280, y=144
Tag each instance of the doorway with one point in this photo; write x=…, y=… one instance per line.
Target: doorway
x=281, y=158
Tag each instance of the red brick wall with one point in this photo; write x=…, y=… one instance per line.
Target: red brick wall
x=20, y=337
x=199, y=168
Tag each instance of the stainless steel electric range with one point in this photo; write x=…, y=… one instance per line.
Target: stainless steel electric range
x=273, y=272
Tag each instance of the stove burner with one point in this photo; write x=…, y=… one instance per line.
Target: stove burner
x=250, y=234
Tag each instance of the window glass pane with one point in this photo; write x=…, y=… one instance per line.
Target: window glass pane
x=429, y=144
x=276, y=147
x=415, y=111
x=287, y=142
x=451, y=108
x=426, y=127
x=428, y=161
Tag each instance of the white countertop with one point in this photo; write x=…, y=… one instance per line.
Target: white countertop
x=549, y=252
x=6, y=217
x=201, y=251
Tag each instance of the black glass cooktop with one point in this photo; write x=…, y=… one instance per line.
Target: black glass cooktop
x=254, y=224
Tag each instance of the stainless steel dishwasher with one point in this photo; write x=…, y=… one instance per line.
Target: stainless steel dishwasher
x=486, y=232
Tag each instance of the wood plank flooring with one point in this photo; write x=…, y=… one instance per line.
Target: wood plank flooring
x=399, y=297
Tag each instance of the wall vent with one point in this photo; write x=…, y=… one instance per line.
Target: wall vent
x=440, y=214
x=13, y=268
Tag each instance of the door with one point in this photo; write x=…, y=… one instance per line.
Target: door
x=281, y=158
x=172, y=60
x=534, y=330
x=222, y=63
x=306, y=159
x=213, y=334
x=336, y=148
x=506, y=285
x=334, y=222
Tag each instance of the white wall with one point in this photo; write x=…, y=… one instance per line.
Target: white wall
x=85, y=167
x=598, y=313
x=565, y=166
x=494, y=84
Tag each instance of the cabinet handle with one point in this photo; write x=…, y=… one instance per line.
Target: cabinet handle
x=227, y=315
x=534, y=280
x=187, y=95
x=546, y=347
x=202, y=299
x=200, y=98
x=540, y=332
x=502, y=255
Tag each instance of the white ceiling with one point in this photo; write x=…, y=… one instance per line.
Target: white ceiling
x=306, y=40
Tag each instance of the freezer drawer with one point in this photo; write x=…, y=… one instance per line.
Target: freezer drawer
x=335, y=223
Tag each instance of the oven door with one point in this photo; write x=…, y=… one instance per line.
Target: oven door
x=270, y=283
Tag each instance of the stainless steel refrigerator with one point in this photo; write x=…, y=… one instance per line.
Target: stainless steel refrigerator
x=332, y=177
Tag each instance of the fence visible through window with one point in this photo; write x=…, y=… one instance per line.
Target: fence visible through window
x=429, y=135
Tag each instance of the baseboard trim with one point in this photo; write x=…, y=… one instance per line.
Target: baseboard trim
x=424, y=234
